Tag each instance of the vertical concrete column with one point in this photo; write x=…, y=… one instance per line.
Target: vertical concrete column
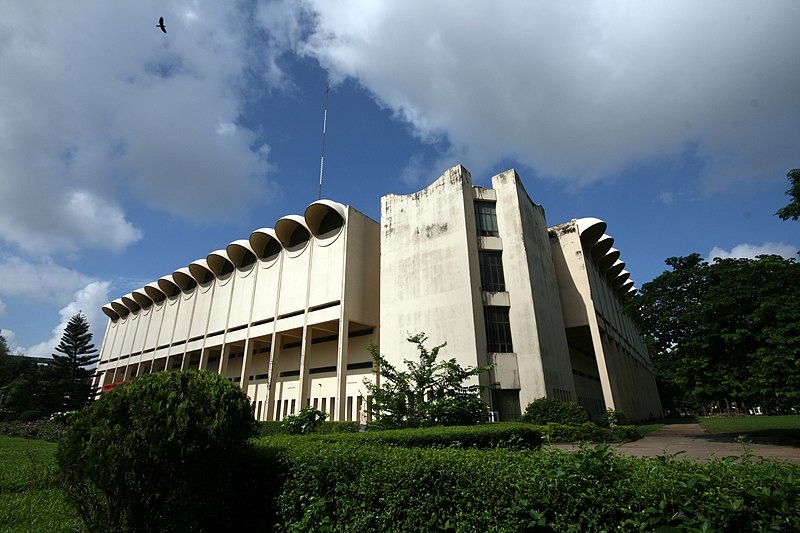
x=203, y=358
x=341, y=369
x=272, y=378
x=247, y=358
x=222, y=369
x=305, y=356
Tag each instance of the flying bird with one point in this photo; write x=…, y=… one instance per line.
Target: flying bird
x=161, y=24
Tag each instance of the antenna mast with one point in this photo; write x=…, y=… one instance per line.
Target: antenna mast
x=322, y=156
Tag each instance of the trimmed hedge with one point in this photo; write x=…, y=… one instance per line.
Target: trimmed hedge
x=343, y=486
x=588, y=432
x=480, y=436
x=49, y=430
x=554, y=411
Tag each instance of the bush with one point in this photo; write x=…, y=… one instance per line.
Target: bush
x=308, y=420
x=161, y=453
x=554, y=411
x=349, y=487
x=49, y=430
x=612, y=418
x=30, y=416
x=506, y=435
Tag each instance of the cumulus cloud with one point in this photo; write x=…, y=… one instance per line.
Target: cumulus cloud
x=87, y=300
x=41, y=280
x=751, y=251
x=575, y=90
x=96, y=102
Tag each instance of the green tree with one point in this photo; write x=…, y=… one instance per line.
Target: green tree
x=69, y=368
x=793, y=209
x=724, y=333
x=428, y=392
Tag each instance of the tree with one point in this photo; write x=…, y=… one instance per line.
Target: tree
x=428, y=393
x=792, y=210
x=725, y=333
x=69, y=369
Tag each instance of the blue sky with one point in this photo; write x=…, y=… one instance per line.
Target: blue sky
x=126, y=154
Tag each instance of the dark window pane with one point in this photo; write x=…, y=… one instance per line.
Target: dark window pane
x=498, y=330
x=486, y=219
x=491, y=264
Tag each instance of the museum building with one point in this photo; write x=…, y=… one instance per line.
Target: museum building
x=289, y=313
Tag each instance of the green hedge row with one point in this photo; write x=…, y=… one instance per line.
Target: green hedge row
x=275, y=427
x=49, y=430
x=511, y=435
x=588, y=432
x=344, y=486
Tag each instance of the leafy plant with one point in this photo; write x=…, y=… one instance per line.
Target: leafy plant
x=308, y=420
x=612, y=418
x=429, y=392
x=157, y=454
x=552, y=410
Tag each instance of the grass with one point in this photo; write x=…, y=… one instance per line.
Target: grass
x=30, y=499
x=783, y=430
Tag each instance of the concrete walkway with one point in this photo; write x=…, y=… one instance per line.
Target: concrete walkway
x=691, y=441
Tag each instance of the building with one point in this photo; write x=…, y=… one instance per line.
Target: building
x=289, y=313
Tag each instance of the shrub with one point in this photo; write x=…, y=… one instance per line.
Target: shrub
x=308, y=420
x=158, y=454
x=48, y=430
x=612, y=418
x=346, y=487
x=553, y=410
x=484, y=436
x=30, y=416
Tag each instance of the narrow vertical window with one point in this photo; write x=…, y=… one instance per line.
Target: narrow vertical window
x=498, y=330
x=486, y=219
x=491, y=265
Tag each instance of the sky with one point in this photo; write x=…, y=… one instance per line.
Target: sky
x=127, y=153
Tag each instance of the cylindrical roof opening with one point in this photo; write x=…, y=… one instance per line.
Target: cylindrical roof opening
x=168, y=287
x=201, y=272
x=325, y=218
x=602, y=246
x=621, y=279
x=154, y=292
x=219, y=263
x=590, y=230
x=130, y=303
x=615, y=269
x=291, y=230
x=265, y=244
x=142, y=298
x=241, y=254
x=120, y=308
x=609, y=259
x=627, y=287
x=110, y=313
x=184, y=280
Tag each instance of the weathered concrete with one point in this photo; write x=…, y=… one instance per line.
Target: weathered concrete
x=691, y=441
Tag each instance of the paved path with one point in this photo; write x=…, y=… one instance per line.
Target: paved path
x=693, y=442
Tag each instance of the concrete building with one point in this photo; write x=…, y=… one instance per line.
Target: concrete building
x=289, y=312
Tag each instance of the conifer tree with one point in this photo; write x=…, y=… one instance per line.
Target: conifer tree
x=77, y=352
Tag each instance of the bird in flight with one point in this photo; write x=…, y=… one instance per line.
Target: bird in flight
x=161, y=24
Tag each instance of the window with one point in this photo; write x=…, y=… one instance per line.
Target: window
x=486, y=219
x=498, y=330
x=491, y=264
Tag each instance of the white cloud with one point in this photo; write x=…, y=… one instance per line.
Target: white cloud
x=43, y=280
x=576, y=90
x=751, y=251
x=87, y=300
x=96, y=102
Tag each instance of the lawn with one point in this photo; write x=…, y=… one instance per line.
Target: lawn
x=784, y=430
x=30, y=499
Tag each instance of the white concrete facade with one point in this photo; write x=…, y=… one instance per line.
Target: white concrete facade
x=298, y=302
x=289, y=313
